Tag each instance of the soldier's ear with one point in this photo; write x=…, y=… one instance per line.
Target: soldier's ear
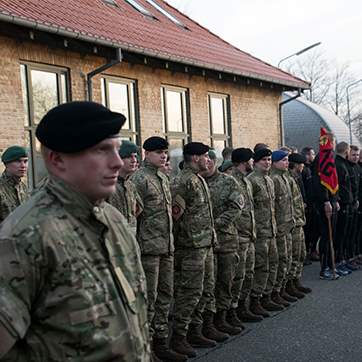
x=56, y=160
x=195, y=158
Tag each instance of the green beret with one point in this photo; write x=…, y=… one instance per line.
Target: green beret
x=225, y=165
x=155, y=143
x=212, y=154
x=13, y=153
x=127, y=148
x=75, y=126
x=195, y=148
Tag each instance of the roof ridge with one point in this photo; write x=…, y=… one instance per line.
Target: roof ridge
x=228, y=43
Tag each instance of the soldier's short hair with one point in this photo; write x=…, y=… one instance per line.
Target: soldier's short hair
x=306, y=150
x=226, y=152
x=342, y=147
x=354, y=148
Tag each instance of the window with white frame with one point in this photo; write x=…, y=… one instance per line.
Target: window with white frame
x=175, y=116
x=43, y=87
x=119, y=95
x=219, y=116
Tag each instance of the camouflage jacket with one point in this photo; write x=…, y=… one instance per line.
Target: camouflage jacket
x=72, y=287
x=154, y=224
x=246, y=223
x=298, y=203
x=227, y=203
x=264, y=204
x=283, y=201
x=13, y=192
x=127, y=201
x=192, y=210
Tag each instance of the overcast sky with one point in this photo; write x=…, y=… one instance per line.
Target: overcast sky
x=274, y=29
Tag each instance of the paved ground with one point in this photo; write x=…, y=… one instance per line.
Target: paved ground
x=324, y=326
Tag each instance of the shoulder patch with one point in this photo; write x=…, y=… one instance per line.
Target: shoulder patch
x=178, y=207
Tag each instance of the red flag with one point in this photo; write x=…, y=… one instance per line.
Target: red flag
x=327, y=166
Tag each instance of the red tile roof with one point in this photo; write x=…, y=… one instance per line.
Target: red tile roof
x=125, y=27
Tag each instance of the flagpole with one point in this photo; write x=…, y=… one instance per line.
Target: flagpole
x=331, y=246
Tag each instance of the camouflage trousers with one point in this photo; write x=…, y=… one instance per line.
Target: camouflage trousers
x=298, y=253
x=244, y=275
x=266, y=266
x=284, y=245
x=194, y=287
x=226, y=265
x=159, y=271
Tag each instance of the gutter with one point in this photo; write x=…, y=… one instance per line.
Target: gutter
x=90, y=38
x=281, y=123
x=101, y=69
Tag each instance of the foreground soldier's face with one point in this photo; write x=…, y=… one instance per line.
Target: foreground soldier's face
x=94, y=172
x=282, y=164
x=18, y=168
x=157, y=158
x=353, y=156
x=130, y=164
x=203, y=162
x=310, y=156
x=264, y=164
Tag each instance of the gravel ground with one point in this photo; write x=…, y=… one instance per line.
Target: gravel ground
x=324, y=326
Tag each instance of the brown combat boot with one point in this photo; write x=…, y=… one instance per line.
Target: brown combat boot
x=256, y=307
x=222, y=325
x=209, y=330
x=287, y=297
x=276, y=298
x=298, y=285
x=164, y=353
x=245, y=314
x=269, y=305
x=233, y=319
x=291, y=290
x=197, y=339
x=180, y=345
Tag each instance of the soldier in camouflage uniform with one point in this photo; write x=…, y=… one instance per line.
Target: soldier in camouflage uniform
x=194, y=240
x=296, y=165
x=284, y=215
x=72, y=286
x=227, y=204
x=154, y=235
x=242, y=159
x=126, y=199
x=13, y=191
x=266, y=253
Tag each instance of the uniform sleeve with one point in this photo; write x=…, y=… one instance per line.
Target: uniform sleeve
x=139, y=183
x=235, y=204
x=3, y=212
x=20, y=268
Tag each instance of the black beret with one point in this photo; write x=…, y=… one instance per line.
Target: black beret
x=242, y=155
x=155, y=143
x=297, y=158
x=75, y=126
x=259, y=146
x=261, y=153
x=195, y=148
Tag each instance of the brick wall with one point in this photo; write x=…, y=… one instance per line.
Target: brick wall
x=254, y=111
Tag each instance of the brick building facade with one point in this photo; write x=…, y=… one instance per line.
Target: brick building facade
x=159, y=97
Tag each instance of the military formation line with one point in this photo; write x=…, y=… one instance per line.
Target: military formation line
x=109, y=248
